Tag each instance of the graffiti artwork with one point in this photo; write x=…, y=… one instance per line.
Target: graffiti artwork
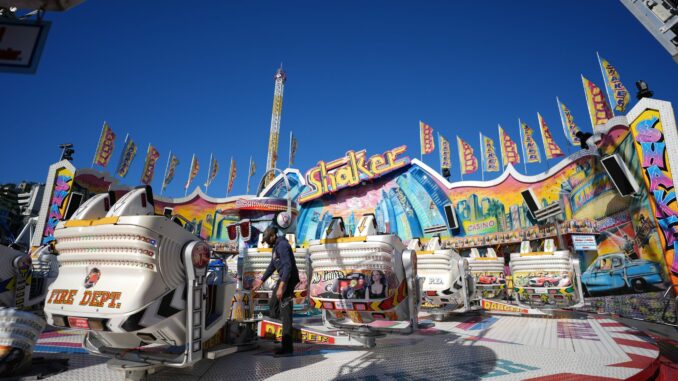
x=57, y=205
x=651, y=146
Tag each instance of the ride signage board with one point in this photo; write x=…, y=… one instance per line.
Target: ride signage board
x=21, y=44
x=584, y=242
x=350, y=171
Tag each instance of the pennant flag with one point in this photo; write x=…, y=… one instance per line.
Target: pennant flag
x=126, y=157
x=428, y=143
x=444, y=148
x=468, y=161
x=619, y=96
x=509, y=149
x=169, y=172
x=531, y=150
x=105, y=147
x=569, y=127
x=213, y=170
x=599, y=110
x=231, y=177
x=192, y=172
x=152, y=156
x=253, y=169
x=491, y=160
x=293, y=148
x=551, y=149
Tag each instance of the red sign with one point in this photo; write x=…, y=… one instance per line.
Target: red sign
x=78, y=322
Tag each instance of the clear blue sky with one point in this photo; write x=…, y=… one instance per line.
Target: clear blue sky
x=361, y=74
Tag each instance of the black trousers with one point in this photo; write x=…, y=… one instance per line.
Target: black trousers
x=282, y=309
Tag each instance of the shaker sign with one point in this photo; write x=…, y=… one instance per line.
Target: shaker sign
x=21, y=43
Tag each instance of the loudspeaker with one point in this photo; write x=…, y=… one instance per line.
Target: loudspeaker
x=620, y=175
x=451, y=217
x=531, y=201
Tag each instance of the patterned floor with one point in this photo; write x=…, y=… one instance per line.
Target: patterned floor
x=470, y=348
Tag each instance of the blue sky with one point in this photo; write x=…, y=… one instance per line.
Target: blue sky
x=360, y=75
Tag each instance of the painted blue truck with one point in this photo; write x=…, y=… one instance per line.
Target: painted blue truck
x=615, y=272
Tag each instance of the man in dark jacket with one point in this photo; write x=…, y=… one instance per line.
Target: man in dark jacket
x=282, y=300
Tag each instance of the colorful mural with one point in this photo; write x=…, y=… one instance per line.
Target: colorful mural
x=650, y=143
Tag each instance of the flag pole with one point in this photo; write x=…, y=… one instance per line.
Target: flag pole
x=421, y=143
x=482, y=157
x=607, y=88
x=230, y=173
x=209, y=171
x=289, y=161
x=249, y=174
x=461, y=160
x=164, y=177
x=440, y=154
x=522, y=144
x=501, y=147
x=188, y=182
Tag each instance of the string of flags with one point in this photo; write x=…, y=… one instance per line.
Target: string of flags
x=600, y=111
x=106, y=145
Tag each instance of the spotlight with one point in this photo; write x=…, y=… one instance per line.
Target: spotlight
x=643, y=90
x=67, y=151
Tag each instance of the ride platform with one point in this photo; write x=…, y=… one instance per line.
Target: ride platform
x=562, y=346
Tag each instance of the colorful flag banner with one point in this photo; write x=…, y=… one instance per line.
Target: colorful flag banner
x=551, y=149
x=293, y=148
x=444, y=149
x=491, y=160
x=152, y=156
x=509, y=149
x=172, y=163
x=468, y=162
x=569, y=127
x=428, y=143
x=126, y=157
x=192, y=172
x=213, y=170
x=531, y=150
x=619, y=96
x=231, y=177
x=599, y=110
x=253, y=169
x=105, y=147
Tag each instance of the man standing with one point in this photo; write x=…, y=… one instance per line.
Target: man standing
x=282, y=300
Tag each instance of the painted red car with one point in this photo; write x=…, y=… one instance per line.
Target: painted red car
x=544, y=281
x=487, y=279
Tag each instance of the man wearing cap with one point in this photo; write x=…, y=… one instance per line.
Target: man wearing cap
x=282, y=300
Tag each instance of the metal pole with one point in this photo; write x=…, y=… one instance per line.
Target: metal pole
x=209, y=171
x=482, y=157
x=289, y=162
x=164, y=177
x=249, y=175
